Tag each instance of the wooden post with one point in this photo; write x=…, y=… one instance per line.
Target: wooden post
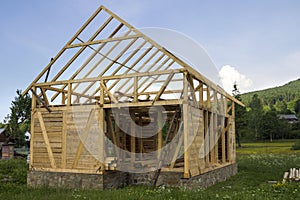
x=211, y=139
x=233, y=134
x=159, y=134
x=63, y=98
x=223, y=142
x=141, y=136
x=69, y=94
x=33, y=111
x=185, y=127
x=101, y=118
x=200, y=95
x=135, y=89
x=207, y=139
x=132, y=141
x=216, y=137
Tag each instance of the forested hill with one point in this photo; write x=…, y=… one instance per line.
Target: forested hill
x=287, y=94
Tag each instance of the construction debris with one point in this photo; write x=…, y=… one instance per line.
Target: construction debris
x=292, y=175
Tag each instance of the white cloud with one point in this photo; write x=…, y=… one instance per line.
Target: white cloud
x=229, y=75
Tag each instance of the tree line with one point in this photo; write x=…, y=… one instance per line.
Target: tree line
x=256, y=121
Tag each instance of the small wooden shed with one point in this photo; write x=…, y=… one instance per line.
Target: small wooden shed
x=113, y=99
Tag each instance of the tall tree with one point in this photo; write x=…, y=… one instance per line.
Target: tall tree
x=240, y=112
x=297, y=106
x=270, y=124
x=18, y=121
x=255, y=115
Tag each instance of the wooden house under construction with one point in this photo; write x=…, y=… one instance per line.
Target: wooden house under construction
x=113, y=107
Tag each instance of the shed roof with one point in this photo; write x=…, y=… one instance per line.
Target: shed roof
x=2, y=130
x=288, y=116
x=108, y=47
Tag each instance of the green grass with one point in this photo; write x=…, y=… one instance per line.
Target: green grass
x=258, y=163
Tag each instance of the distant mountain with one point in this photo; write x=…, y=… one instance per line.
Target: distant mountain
x=288, y=93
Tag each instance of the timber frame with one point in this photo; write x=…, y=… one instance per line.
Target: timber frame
x=110, y=73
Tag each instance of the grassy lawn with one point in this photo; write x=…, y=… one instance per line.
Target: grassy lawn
x=258, y=163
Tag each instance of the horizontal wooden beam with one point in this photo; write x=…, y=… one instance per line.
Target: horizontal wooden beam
x=104, y=41
x=122, y=76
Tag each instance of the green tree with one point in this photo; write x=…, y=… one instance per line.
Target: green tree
x=18, y=121
x=270, y=124
x=255, y=116
x=281, y=107
x=240, y=119
x=297, y=106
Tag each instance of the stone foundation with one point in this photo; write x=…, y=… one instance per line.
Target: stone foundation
x=116, y=179
x=175, y=179
x=108, y=180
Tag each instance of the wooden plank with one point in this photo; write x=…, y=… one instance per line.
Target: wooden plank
x=84, y=137
x=46, y=140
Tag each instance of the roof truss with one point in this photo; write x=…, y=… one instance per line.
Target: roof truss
x=108, y=53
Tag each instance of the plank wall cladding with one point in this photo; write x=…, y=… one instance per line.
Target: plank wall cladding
x=113, y=99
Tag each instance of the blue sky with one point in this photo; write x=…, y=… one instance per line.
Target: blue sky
x=258, y=41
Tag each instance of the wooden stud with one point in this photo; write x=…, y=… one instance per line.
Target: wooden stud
x=207, y=139
x=69, y=94
x=135, y=89
x=160, y=132
x=132, y=140
x=185, y=127
x=101, y=133
x=32, y=127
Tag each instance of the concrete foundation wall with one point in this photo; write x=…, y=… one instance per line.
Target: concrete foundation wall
x=117, y=179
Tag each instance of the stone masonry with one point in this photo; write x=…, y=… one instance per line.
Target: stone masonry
x=117, y=179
